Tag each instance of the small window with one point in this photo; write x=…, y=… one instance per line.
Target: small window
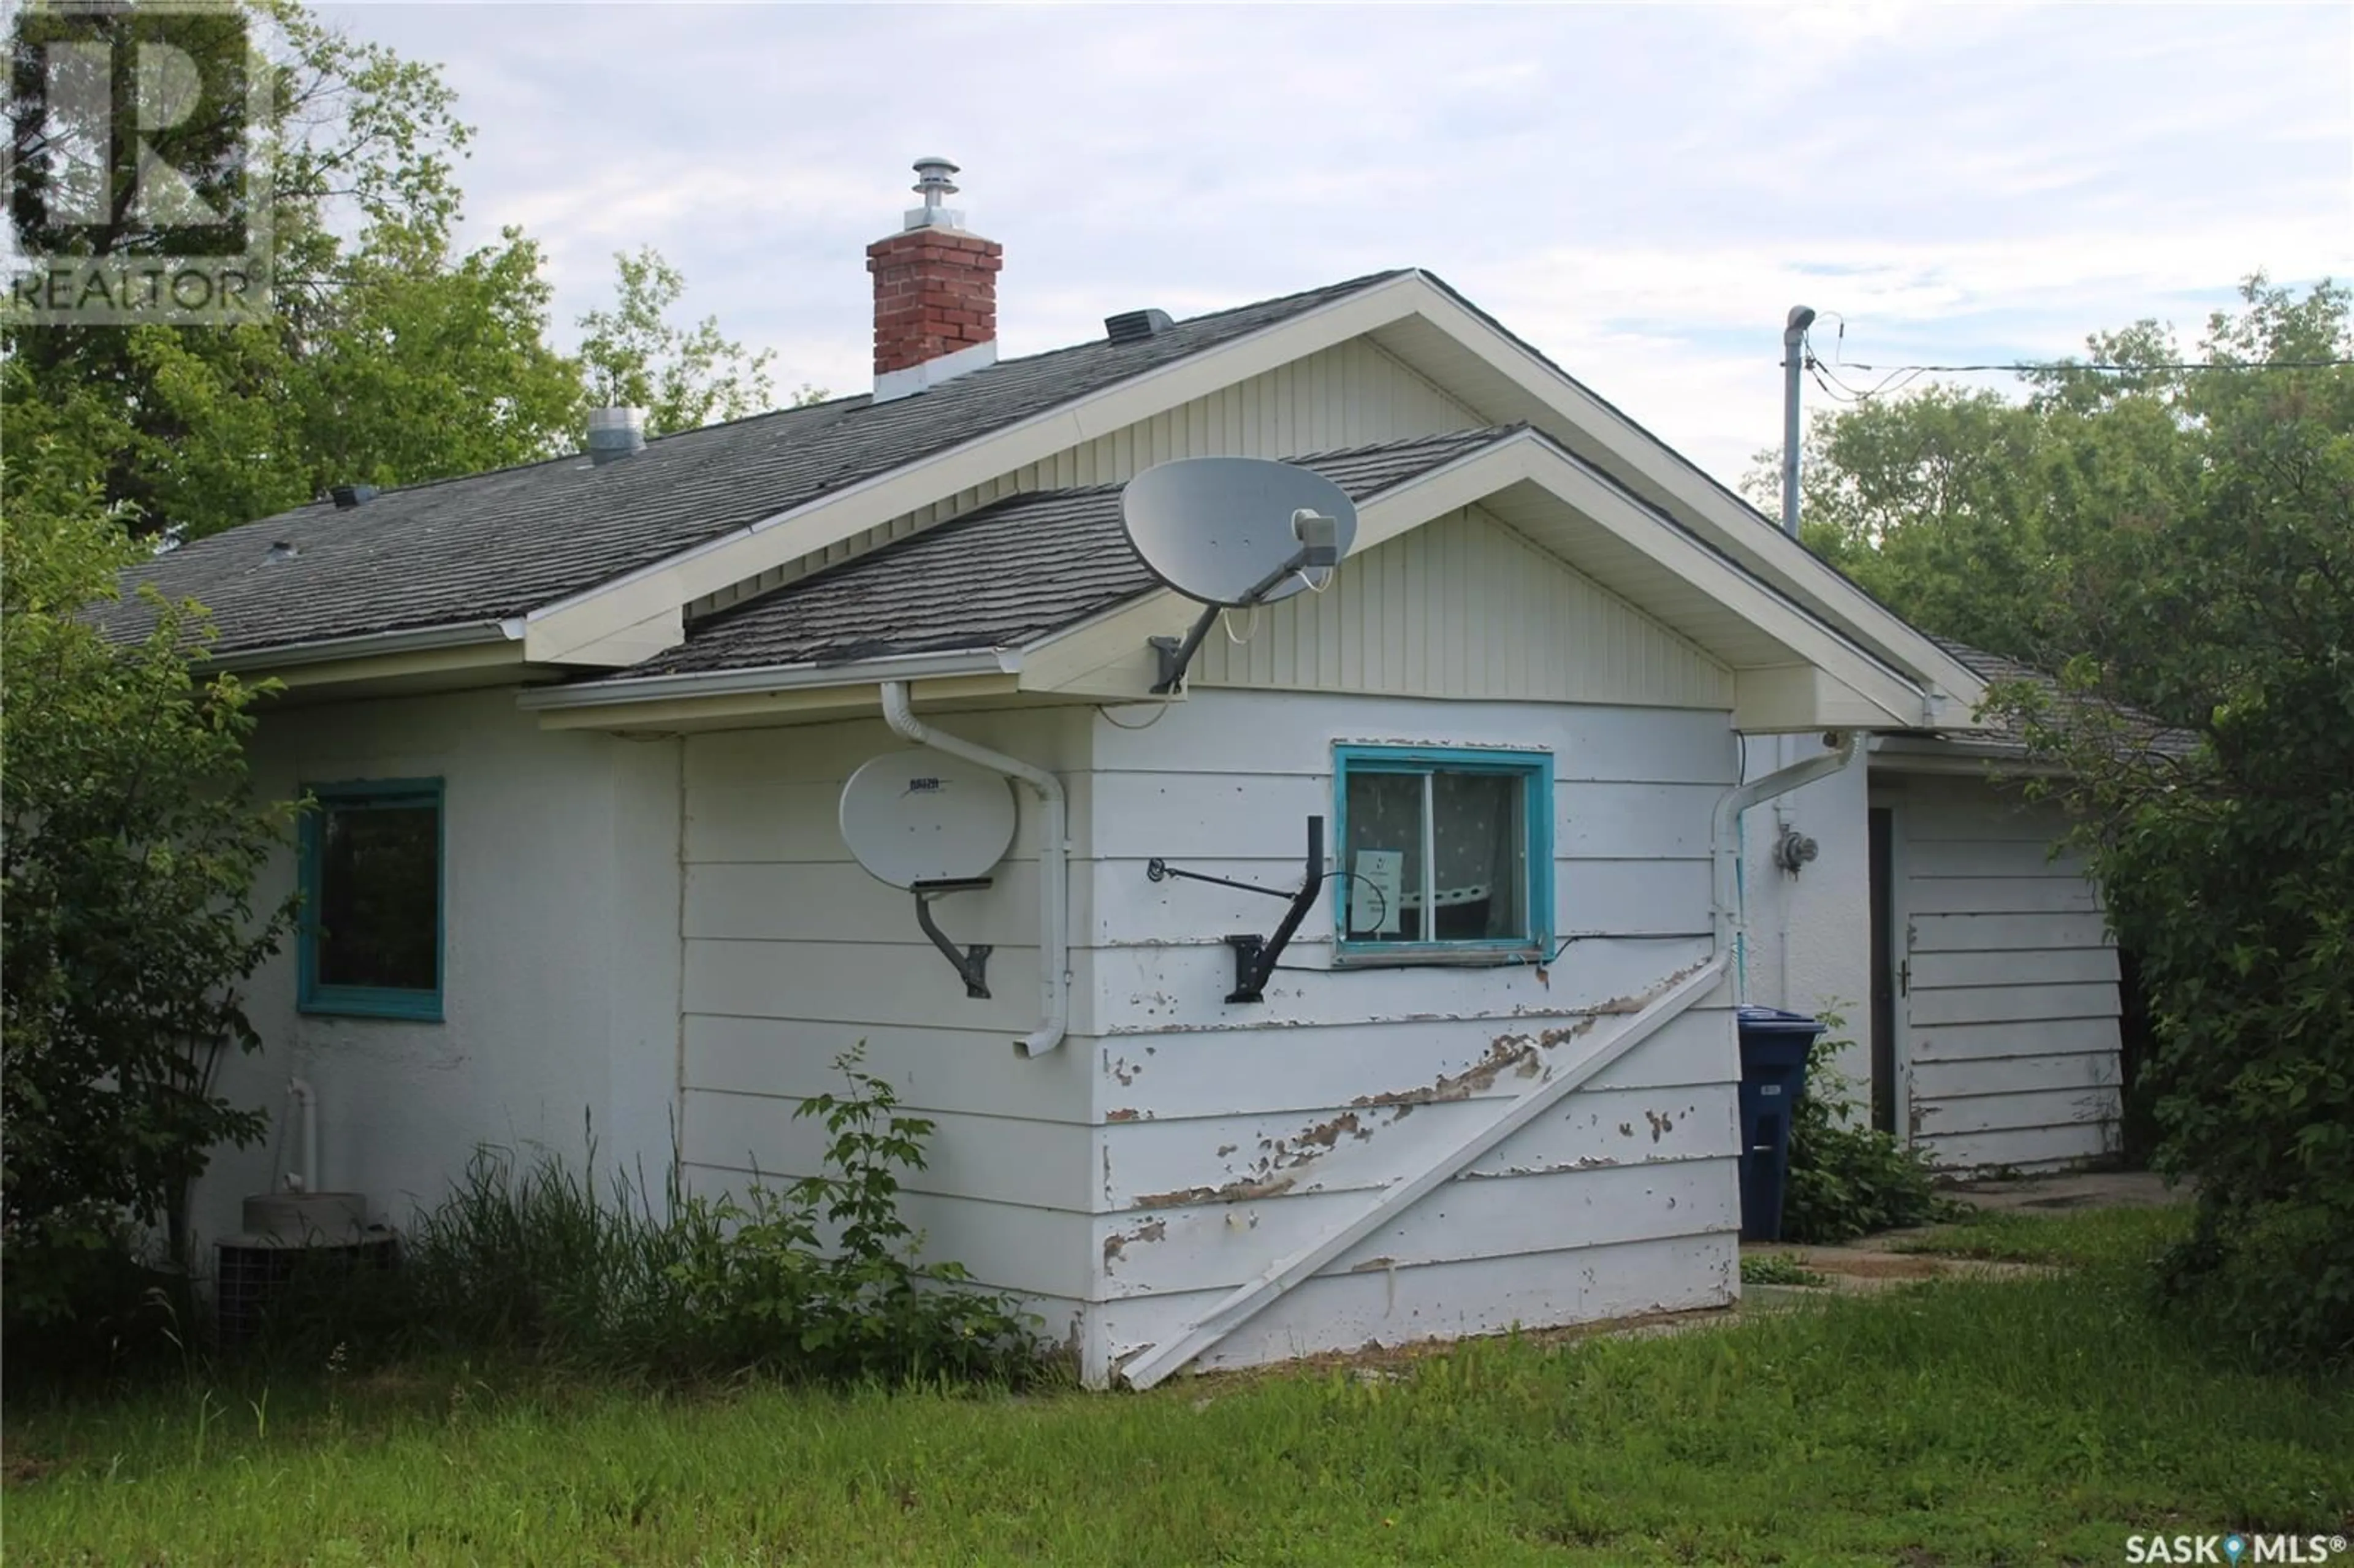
x=1443, y=854
x=371, y=866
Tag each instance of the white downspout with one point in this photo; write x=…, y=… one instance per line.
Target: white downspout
x=1724, y=841
x=1053, y=883
x=304, y=1178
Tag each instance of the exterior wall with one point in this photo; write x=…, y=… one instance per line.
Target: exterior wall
x=2010, y=1030
x=1350, y=395
x=1805, y=943
x=1232, y=1136
x=1463, y=607
x=794, y=954
x=560, y=959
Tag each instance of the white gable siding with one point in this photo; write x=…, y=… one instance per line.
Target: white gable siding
x=1350, y=395
x=2012, y=1004
x=1235, y=1135
x=1463, y=607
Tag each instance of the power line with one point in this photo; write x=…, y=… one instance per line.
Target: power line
x=2019, y=368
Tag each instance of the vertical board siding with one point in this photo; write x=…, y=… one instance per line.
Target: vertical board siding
x=1234, y=1136
x=2011, y=1008
x=1350, y=395
x=1464, y=607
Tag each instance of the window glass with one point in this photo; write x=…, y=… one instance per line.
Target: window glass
x=1433, y=853
x=1479, y=825
x=379, y=886
x=371, y=872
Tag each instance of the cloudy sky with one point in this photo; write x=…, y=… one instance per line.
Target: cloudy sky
x=1641, y=192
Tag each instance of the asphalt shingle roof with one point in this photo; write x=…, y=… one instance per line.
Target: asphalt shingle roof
x=497, y=545
x=996, y=577
x=1993, y=667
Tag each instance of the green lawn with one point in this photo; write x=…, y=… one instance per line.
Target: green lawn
x=1965, y=1422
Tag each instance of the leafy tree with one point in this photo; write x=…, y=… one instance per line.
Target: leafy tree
x=393, y=356
x=2225, y=606
x=635, y=357
x=128, y=848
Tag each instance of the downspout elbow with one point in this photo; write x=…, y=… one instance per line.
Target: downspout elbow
x=1054, y=882
x=1723, y=827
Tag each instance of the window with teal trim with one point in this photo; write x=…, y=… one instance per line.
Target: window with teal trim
x=1445, y=853
x=371, y=867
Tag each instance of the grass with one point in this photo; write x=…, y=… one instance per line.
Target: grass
x=2104, y=1238
x=1779, y=1269
x=1962, y=1421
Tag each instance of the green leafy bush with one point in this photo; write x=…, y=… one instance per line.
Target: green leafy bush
x=817, y=1278
x=1848, y=1181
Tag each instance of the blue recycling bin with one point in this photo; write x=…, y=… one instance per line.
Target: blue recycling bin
x=1773, y=1046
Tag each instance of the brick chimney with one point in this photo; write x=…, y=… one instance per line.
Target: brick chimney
x=935, y=293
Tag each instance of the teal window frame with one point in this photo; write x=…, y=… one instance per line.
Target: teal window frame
x=312, y=995
x=1533, y=769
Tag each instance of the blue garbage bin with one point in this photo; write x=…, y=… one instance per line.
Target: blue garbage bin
x=1773, y=1045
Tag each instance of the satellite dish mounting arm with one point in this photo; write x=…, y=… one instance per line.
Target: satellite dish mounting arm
x=971, y=965
x=1255, y=955
x=1319, y=550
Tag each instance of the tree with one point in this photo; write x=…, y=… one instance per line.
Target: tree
x=128, y=848
x=394, y=357
x=2180, y=543
x=635, y=357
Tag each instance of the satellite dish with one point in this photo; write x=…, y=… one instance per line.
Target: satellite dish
x=1237, y=531
x=919, y=817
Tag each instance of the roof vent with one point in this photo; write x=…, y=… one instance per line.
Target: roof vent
x=1135, y=326
x=615, y=433
x=347, y=496
x=280, y=550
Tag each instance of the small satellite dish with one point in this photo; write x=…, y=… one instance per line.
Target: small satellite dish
x=1237, y=531
x=919, y=817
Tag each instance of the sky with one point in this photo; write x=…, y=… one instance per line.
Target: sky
x=1641, y=192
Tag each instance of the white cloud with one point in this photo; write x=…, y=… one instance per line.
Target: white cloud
x=1640, y=193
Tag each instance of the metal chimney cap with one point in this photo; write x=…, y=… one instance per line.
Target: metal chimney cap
x=615, y=433
x=933, y=183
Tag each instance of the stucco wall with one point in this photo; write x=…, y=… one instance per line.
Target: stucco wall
x=560, y=959
x=1808, y=941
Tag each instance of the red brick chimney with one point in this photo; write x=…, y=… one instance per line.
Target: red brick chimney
x=935, y=293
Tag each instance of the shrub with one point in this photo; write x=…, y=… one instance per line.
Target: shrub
x=816, y=1279
x=1847, y=1181
x=130, y=845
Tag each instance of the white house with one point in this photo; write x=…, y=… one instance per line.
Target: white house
x=578, y=730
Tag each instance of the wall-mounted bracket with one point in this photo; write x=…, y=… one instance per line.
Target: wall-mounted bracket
x=1255, y=955
x=1320, y=551
x=972, y=964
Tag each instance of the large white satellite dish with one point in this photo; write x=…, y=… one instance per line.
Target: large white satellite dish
x=1231, y=532
x=919, y=817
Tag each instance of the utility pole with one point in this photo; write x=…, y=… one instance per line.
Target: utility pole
x=1794, y=335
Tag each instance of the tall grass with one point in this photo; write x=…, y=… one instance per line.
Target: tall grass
x=2028, y=1422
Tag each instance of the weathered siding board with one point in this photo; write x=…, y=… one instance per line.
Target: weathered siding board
x=1350, y=395
x=990, y=1158
x=1398, y=1306
x=1235, y=1072
x=1225, y=1243
x=1463, y=607
x=1234, y=1136
x=2012, y=1006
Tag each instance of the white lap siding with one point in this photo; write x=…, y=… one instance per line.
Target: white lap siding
x=1233, y=1135
x=2010, y=996
x=794, y=955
